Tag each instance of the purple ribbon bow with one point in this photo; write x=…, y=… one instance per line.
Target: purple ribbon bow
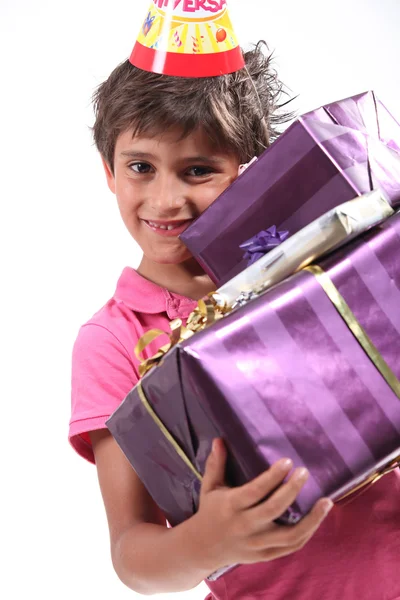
x=263, y=242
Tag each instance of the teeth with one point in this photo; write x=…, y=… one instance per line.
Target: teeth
x=167, y=227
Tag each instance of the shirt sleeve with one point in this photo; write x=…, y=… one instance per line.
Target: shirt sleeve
x=103, y=374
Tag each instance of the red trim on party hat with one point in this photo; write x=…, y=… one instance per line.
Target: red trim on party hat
x=187, y=38
x=186, y=65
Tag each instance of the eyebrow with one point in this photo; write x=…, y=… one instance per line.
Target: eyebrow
x=136, y=154
x=207, y=159
x=190, y=159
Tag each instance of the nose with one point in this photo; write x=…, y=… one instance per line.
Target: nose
x=168, y=194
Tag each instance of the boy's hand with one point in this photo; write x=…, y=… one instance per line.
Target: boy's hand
x=237, y=528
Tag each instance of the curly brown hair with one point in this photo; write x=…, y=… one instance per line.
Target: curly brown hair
x=239, y=111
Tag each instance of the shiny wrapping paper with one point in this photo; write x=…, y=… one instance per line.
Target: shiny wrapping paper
x=335, y=228
x=282, y=376
x=325, y=158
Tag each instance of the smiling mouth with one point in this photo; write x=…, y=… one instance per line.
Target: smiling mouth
x=168, y=227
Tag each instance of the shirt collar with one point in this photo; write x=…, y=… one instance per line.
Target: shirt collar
x=142, y=295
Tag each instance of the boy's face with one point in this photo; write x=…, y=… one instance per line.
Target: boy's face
x=162, y=184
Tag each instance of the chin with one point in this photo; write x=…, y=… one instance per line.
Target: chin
x=173, y=259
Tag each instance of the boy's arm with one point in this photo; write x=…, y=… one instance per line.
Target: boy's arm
x=232, y=526
x=147, y=556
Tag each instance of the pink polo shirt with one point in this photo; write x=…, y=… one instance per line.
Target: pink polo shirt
x=355, y=555
x=104, y=367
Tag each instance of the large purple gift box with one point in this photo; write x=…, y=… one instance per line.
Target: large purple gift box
x=325, y=158
x=283, y=376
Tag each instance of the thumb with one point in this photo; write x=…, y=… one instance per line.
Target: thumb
x=214, y=474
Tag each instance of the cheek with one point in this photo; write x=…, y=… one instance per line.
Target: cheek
x=126, y=197
x=209, y=195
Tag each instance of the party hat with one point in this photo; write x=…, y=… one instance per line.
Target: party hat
x=187, y=38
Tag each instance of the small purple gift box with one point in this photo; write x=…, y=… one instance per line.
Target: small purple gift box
x=308, y=370
x=326, y=157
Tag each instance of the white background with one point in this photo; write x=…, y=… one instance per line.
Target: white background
x=63, y=246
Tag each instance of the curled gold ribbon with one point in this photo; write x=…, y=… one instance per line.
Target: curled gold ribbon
x=177, y=333
x=206, y=313
x=359, y=333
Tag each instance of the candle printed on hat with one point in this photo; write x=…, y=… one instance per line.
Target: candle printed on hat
x=148, y=24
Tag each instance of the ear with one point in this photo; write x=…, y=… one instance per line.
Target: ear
x=109, y=175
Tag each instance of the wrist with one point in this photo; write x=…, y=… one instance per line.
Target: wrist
x=208, y=554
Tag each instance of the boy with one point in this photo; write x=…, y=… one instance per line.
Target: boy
x=170, y=146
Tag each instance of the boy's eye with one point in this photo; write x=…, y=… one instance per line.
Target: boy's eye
x=199, y=171
x=140, y=167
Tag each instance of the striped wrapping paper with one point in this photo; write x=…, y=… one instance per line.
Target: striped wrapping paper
x=326, y=157
x=282, y=376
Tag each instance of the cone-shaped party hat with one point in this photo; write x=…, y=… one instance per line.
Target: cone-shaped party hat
x=187, y=38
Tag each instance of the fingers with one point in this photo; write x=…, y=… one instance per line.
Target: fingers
x=280, y=500
x=256, y=490
x=283, y=540
x=214, y=474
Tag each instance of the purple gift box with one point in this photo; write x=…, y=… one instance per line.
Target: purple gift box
x=326, y=157
x=283, y=376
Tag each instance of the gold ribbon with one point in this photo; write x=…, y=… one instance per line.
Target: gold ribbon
x=165, y=431
x=178, y=332
x=207, y=312
x=359, y=333
x=373, y=478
